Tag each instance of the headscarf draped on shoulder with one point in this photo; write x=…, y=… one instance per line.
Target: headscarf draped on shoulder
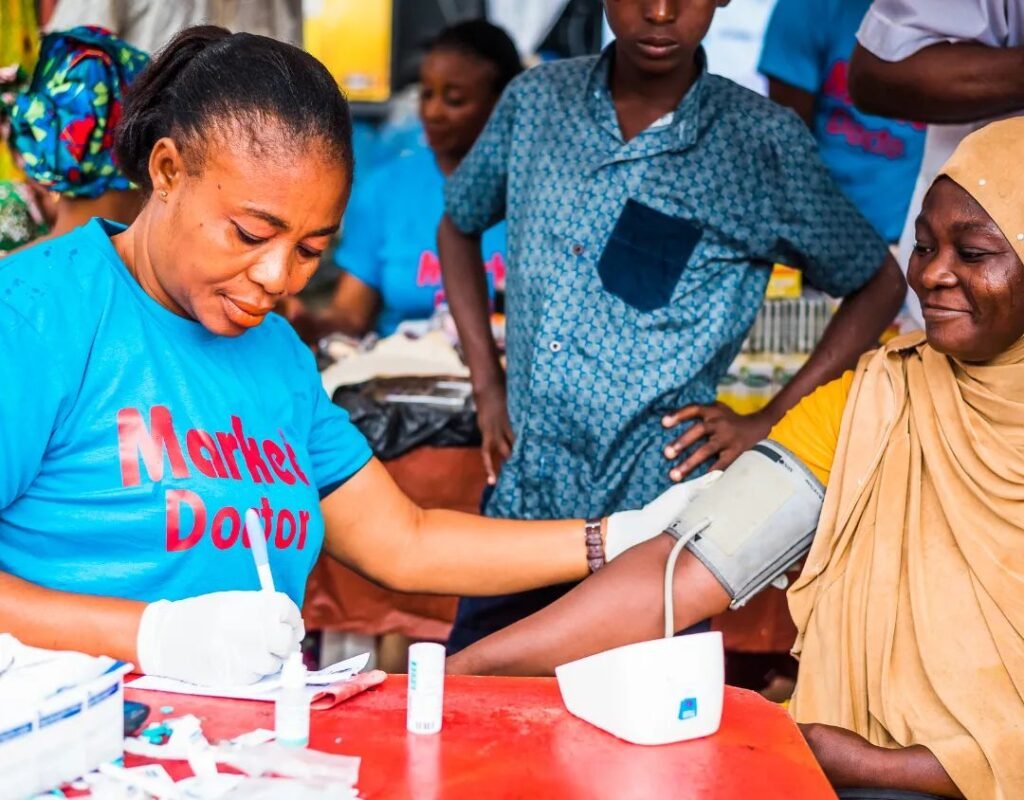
x=910, y=608
x=63, y=123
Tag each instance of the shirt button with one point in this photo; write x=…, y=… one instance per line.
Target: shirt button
x=577, y=249
x=555, y=346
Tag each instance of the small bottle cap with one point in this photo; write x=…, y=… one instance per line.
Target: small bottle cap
x=294, y=671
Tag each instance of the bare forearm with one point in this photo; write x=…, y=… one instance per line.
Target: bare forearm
x=338, y=320
x=856, y=327
x=943, y=83
x=353, y=309
x=373, y=527
x=787, y=95
x=465, y=286
x=464, y=554
x=56, y=620
x=910, y=769
x=313, y=325
x=619, y=605
x=914, y=769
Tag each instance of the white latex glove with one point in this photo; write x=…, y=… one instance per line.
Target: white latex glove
x=219, y=639
x=7, y=645
x=627, y=529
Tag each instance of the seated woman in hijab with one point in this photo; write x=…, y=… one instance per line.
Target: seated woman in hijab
x=62, y=128
x=910, y=607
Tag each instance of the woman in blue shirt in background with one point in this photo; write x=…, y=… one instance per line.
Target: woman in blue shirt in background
x=806, y=56
x=388, y=251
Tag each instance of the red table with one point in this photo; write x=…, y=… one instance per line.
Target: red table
x=513, y=738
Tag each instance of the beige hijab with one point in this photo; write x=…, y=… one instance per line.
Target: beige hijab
x=910, y=608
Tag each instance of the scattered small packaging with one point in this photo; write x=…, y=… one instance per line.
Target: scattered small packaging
x=155, y=733
x=276, y=788
x=176, y=738
x=213, y=787
x=289, y=762
x=270, y=771
x=112, y=782
x=253, y=738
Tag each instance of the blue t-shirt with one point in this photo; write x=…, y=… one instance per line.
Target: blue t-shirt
x=874, y=160
x=132, y=440
x=389, y=240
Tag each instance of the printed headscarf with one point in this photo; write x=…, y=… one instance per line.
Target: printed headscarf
x=63, y=124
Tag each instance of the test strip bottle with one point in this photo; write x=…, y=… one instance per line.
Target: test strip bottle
x=426, y=688
x=291, y=712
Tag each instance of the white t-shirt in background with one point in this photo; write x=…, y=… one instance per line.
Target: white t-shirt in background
x=896, y=29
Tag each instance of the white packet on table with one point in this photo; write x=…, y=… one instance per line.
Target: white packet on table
x=273, y=759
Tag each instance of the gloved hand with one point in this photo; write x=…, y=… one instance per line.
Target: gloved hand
x=629, y=528
x=219, y=639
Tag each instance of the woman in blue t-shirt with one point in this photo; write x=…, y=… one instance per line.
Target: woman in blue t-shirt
x=806, y=54
x=150, y=398
x=388, y=251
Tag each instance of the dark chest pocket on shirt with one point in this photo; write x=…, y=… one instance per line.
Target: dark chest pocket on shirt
x=646, y=255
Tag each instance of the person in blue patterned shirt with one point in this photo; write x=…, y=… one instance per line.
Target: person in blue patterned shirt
x=645, y=203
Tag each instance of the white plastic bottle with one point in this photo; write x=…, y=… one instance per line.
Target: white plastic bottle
x=426, y=688
x=291, y=711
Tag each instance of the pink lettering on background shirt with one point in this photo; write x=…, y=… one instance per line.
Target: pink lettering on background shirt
x=837, y=83
x=837, y=87
x=496, y=268
x=429, y=271
x=880, y=142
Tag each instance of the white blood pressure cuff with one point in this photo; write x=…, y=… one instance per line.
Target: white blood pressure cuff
x=755, y=522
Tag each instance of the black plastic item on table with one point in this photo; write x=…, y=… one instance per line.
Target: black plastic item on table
x=134, y=715
x=393, y=429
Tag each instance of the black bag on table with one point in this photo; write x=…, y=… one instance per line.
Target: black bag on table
x=395, y=428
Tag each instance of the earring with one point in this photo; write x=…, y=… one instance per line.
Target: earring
x=163, y=194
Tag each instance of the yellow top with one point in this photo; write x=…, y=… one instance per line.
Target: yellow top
x=810, y=430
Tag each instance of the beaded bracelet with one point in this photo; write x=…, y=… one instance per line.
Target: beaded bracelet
x=595, y=544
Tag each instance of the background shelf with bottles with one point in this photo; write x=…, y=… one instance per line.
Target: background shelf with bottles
x=789, y=325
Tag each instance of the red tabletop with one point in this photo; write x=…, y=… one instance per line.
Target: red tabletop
x=513, y=738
